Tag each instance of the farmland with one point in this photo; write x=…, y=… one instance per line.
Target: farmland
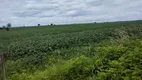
x=100, y=51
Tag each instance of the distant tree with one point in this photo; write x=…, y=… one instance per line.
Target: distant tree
x=38, y=24
x=51, y=24
x=8, y=26
x=3, y=27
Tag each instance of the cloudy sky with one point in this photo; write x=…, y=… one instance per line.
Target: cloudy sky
x=32, y=12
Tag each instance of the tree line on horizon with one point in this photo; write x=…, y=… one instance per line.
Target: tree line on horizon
x=46, y=25
x=8, y=26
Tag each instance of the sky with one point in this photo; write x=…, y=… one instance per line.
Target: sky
x=44, y=12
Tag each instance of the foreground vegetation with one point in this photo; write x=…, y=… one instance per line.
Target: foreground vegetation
x=102, y=51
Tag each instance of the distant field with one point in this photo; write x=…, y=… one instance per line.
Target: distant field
x=18, y=33
x=95, y=51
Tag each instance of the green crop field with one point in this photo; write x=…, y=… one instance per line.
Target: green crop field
x=95, y=51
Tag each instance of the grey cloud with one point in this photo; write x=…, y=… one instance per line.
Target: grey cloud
x=1, y=21
x=75, y=13
x=42, y=6
x=31, y=12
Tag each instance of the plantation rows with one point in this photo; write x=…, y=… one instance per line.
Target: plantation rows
x=107, y=51
x=38, y=46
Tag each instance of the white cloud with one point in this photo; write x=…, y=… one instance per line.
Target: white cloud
x=32, y=12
